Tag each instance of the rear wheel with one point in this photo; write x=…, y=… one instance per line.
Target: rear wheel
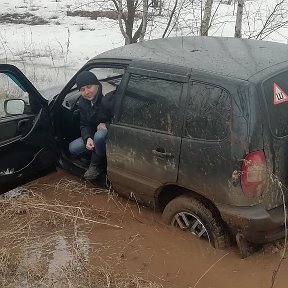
x=187, y=213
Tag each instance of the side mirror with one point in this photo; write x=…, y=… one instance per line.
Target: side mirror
x=14, y=106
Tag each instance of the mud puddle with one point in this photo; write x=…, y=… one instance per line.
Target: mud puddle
x=58, y=232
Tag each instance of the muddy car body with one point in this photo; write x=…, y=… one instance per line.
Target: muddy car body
x=199, y=132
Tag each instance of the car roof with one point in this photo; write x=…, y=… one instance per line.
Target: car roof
x=238, y=58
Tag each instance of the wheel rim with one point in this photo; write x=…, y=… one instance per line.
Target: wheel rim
x=190, y=222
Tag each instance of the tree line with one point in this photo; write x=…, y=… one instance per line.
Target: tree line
x=137, y=19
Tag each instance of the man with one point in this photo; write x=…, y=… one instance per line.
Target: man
x=95, y=117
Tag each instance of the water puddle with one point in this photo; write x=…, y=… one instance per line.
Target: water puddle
x=61, y=255
x=50, y=258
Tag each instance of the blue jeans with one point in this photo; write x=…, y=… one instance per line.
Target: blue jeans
x=78, y=148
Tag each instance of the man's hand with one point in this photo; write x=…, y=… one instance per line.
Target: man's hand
x=101, y=126
x=90, y=144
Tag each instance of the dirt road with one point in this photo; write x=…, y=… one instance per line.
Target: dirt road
x=58, y=233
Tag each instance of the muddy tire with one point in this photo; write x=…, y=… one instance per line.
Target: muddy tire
x=187, y=213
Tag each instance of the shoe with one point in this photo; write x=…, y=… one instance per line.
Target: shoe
x=93, y=172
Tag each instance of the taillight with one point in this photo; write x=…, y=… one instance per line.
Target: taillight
x=253, y=173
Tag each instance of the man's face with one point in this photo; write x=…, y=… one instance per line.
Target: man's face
x=89, y=91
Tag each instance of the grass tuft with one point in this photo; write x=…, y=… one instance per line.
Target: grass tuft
x=44, y=243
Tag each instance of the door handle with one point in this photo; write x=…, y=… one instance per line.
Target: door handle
x=161, y=153
x=23, y=124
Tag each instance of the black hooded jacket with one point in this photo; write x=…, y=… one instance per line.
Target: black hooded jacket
x=92, y=116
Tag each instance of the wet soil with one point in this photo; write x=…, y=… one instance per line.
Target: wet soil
x=32, y=19
x=121, y=238
x=93, y=15
x=24, y=18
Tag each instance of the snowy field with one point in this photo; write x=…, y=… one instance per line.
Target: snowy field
x=63, y=44
x=50, y=46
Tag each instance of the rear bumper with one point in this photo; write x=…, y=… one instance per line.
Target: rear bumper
x=257, y=224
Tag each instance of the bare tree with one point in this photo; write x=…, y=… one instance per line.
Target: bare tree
x=194, y=17
x=239, y=17
x=205, y=22
x=130, y=14
x=144, y=20
x=198, y=16
x=170, y=19
x=276, y=19
x=119, y=8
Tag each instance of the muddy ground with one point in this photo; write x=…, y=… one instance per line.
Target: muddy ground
x=59, y=232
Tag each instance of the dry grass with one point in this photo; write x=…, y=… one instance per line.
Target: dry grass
x=42, y=243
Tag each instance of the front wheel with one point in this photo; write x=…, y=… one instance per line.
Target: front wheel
x=187, y=213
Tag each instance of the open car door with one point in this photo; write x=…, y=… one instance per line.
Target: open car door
x=27, y=146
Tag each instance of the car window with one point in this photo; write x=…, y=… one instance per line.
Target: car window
x=151, y=103
x=208, y=112
x=110, y=78
x=276, y=96
x=10, y=88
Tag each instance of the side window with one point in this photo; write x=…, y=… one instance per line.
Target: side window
x=151, y=103
x=110, y=77
x=10, y=88
x=208, y=112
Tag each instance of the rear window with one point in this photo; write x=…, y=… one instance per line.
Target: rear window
x=276, y=95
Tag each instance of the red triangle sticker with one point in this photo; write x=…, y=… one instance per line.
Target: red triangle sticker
x=279, y=95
